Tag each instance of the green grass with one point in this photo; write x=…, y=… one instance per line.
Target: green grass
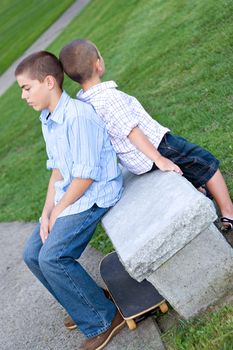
x=176, y=58
x=213, y=331
x=22, y=22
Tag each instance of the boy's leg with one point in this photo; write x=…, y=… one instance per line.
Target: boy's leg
x=31, y=254
x=200, y=167
x=83, y=299
x=217, y=187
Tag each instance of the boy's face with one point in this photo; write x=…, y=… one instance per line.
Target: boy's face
x=34, y=92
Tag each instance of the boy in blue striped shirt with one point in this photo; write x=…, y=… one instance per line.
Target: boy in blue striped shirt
x=85, y=182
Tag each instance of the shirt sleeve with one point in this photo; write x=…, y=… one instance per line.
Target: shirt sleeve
x=51, y=162
x=121, y=118
x=86, y=142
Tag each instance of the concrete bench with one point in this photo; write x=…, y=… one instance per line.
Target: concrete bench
x=162, y=230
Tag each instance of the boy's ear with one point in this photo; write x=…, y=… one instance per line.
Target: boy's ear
x=98, y=66
x=50, y=81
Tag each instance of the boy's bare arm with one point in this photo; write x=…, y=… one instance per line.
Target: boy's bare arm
x=75, y=191
x=143, y=144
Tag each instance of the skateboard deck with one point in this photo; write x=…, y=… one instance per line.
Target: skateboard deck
x=135, y=300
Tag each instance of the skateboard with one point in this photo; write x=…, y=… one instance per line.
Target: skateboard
x=135, y=300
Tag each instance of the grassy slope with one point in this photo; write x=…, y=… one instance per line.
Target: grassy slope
x=176, y=58
x=213, y=331
x=22, y=22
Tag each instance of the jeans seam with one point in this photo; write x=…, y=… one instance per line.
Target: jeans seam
x=102, y=330
x=178, y=153
x=81, y=295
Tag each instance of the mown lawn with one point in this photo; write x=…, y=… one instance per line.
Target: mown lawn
x=212, y=331
x=176, y=58
x=22, y=22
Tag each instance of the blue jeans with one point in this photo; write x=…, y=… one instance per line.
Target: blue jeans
x=198, y=164
x=54, y=264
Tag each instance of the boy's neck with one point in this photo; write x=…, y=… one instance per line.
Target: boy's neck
x=55, y=97
x=89, y=83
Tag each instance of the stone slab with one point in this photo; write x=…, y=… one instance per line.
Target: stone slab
x=198, y=275
x=159, y=213
x=31, y=319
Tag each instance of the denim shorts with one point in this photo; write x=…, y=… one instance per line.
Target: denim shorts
x=198, y=165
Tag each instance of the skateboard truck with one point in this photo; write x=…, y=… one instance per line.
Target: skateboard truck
x=135, y=300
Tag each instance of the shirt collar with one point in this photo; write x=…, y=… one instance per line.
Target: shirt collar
x=95, y=90
x=58, y=114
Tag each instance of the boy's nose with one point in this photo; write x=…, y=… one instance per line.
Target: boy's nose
x=23, y=95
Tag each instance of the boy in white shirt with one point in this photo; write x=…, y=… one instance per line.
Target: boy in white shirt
x=141, y=143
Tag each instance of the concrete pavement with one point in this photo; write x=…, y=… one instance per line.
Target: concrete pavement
x=31, y=319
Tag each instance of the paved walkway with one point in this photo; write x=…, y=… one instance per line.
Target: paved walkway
x=31, y=319
x=8, y=78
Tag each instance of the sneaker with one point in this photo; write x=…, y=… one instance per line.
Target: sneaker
x=99, y=342
x=68, y=321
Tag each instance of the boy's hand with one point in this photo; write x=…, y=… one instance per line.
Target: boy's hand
x=143, y=144
x=52, y=220
x=44, y=228
x=166, y=164
x=53, y=217
x=47, y=223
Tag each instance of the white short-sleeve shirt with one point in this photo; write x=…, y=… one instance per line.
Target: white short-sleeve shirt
x=121, y=113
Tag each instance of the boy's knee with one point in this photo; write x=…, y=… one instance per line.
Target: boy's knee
x=46, y=261
x=32, y=248
x=28, y=256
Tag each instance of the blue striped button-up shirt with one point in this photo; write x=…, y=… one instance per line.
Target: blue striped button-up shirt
x=78, y=145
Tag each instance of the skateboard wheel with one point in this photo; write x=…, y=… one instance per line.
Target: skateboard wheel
x=163, y=308
x=131, y=324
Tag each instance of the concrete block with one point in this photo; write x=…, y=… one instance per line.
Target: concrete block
x=159, y=213
x=198, y=275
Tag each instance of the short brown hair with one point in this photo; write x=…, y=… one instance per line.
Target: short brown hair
x=78, y=59
x=40, y=64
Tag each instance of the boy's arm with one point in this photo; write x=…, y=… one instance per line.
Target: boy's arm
x=124, y=123
x=49, y=204
x=75, y=191
x=142, y=143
